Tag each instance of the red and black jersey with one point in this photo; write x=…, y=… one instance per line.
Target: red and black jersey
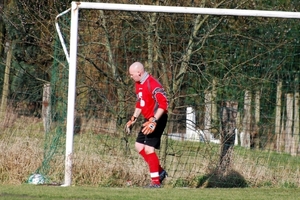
x=150, y=96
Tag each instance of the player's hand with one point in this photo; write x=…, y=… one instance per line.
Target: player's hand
x=149, y=126
x=129, y=124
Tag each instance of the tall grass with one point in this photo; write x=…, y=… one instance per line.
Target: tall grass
x=100, y=160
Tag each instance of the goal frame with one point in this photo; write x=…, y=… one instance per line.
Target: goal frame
x=72, y=55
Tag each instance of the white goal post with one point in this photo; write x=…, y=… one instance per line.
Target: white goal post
x=72, y=55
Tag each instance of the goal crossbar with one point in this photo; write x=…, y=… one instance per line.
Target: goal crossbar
x=186, y=10
x=72, y=57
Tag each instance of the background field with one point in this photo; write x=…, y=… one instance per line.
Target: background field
x=104, y=161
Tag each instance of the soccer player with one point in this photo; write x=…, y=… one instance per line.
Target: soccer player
x=152, y=103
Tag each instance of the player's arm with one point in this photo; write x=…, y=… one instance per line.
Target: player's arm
x=132, y=120
x=162, y=105
x=159, y=113
x=137, y=112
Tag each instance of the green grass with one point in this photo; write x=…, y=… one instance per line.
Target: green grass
x=26, y=191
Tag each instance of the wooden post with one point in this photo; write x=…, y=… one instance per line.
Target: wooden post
x=190, y=124
x=207, y=116
x=255, y=134
x=245, y=135
x=278, y=116
x=295, y=144
x=46, y=107
x=289, y=122
x=237, y=129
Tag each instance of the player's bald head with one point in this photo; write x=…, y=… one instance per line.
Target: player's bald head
x=136, y=70
x=137, y=67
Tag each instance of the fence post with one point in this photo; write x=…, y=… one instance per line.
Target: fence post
x=46, y=107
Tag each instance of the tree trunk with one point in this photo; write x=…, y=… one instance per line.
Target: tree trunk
x=188, y=53
x=2, y=29
x=228, y=126
x=214, y=114
x=115, y=74
x=207, y=115
x=150, y=40
x=5, y=91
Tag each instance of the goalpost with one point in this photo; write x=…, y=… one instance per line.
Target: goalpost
x=72, y=54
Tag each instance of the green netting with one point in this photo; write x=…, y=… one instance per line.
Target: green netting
x=54, y=144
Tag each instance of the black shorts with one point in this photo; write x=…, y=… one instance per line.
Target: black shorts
x=153, y=139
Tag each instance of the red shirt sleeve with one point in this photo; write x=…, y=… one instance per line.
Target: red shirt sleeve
x=161, y=99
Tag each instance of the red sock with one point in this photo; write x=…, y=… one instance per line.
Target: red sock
x=153, y=163
x=144, y=155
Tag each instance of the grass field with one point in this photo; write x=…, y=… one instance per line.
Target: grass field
x=26, y=191
x=101, y=170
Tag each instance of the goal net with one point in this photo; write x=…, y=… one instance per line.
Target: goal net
x=231, y=75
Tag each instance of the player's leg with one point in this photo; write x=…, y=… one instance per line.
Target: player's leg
x=140, y=146
x=152, y=142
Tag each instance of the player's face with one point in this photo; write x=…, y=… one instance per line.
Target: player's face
x=135, y=74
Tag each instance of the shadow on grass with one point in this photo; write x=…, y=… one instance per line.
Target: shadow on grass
x=214, y=179
x=230, y=179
